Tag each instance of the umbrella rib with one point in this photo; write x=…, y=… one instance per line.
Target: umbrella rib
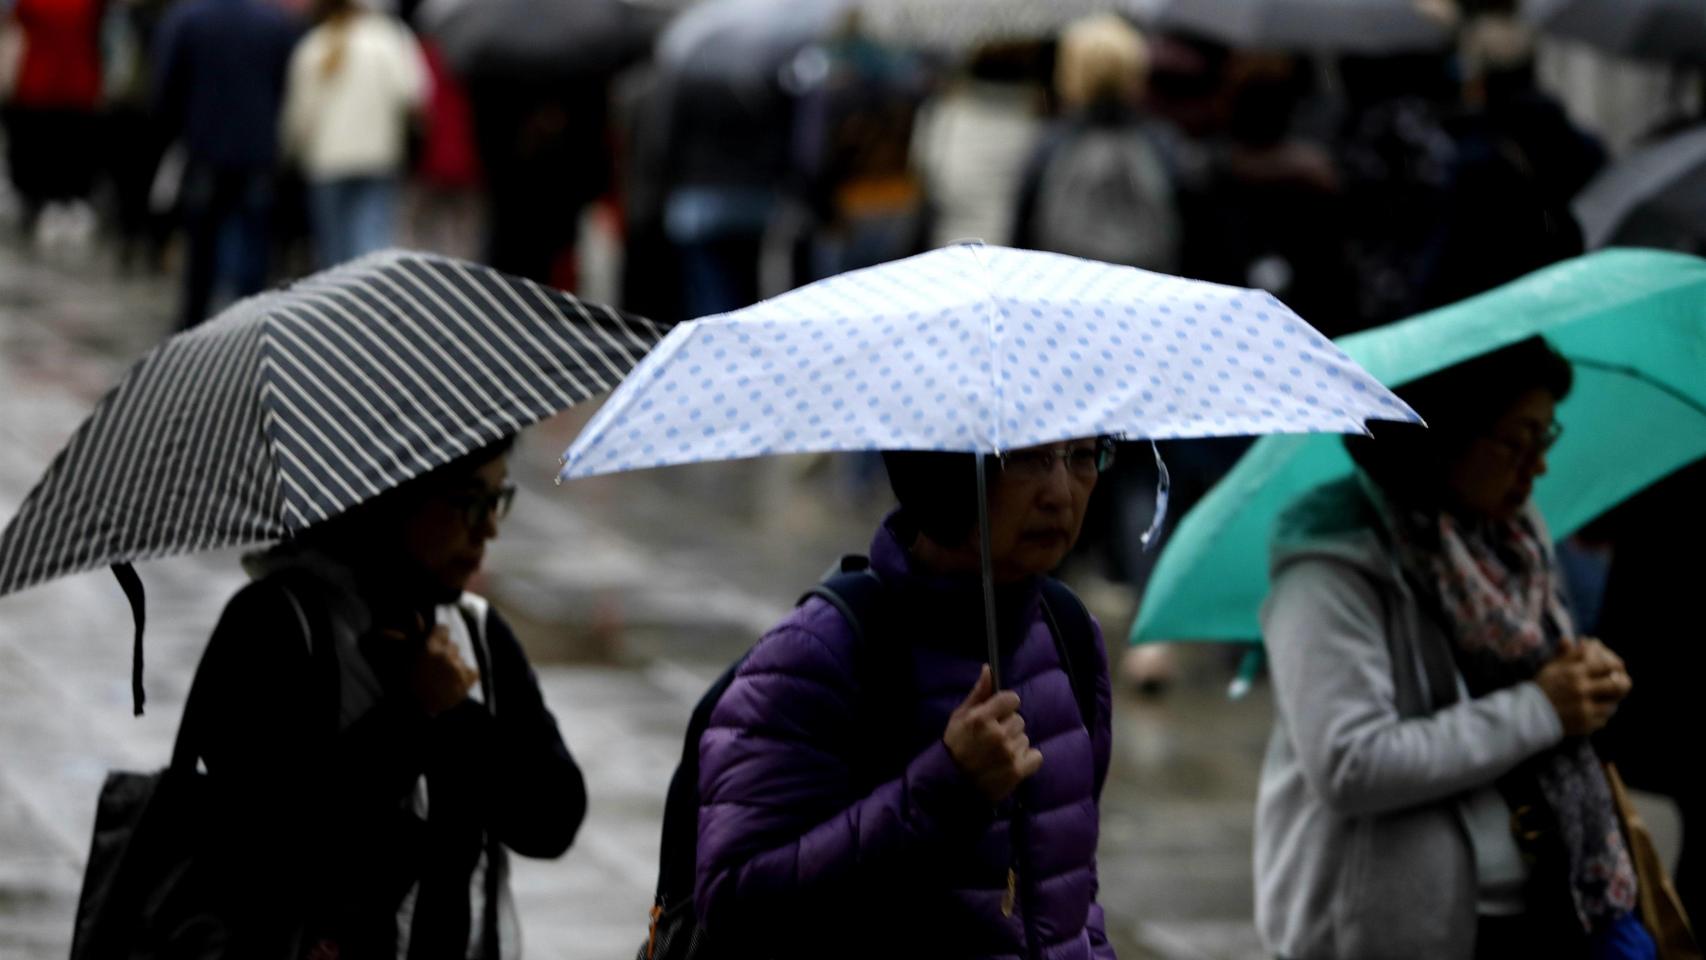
x=622, y=320
x=281, y=430
x=281, y=377
x=478, y=338
x=992, y=321
x=416, y=371
x=397, y=389
x=538, y=346
x=231, y=431
x=620, y=402
x=602, y=332
x=303, y=355
x=98, y=489
x=565, y=321
x=198, y=358
x=423, y=316
x=1635, y=374
x=217, y=383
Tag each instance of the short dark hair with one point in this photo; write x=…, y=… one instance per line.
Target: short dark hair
x=1458, y=403
x=937, y=492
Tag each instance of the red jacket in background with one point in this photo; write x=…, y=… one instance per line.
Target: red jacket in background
x=62, y=54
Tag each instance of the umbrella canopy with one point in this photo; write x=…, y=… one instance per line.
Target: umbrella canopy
x=744, y=42
x=293, y=406
x=1652, y=29
x=1655, y=197
x=980, y=349
x=1368, y=27
x=539, y=40
x=957, y=26
x=1633, y=324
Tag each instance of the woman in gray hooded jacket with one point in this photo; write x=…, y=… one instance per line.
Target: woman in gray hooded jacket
x=1429, y=791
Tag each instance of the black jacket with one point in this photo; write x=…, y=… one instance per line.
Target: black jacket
x=323, y=840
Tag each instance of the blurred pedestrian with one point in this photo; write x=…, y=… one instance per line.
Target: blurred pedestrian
x=726, y=151
x=379, y=738
x=544, y=149
x=1272, y=214
x=1099, y=186
x=973, y=138
x=446, y=214
x=845, y=818
x=51, y=101
x=219, y=84
x=855, y=101
x=134, y=142
x=1498, y=65
x=355, y=84
x=1429, y=788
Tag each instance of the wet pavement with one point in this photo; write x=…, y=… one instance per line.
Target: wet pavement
x=630, y=592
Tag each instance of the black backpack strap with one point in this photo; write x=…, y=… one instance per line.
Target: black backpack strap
x=858, y=593
x=855, y=593
x=316, y=636
x=1074, y=642
x=676, y=877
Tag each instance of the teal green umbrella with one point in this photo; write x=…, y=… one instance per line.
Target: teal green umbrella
x=1632, y=322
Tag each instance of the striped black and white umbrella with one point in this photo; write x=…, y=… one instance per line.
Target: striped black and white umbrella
x=293, y=406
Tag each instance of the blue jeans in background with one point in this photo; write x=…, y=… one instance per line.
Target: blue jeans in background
x=352, y=216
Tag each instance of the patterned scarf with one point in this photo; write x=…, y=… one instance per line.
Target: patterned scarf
x=1497, y=586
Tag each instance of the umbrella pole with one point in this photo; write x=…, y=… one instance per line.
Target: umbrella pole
x=988, y=565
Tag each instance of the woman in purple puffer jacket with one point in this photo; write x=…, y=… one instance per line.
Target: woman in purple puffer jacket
x=840, y=818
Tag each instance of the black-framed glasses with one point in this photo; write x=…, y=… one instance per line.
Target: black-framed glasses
x=1084, y=460
x=1531, y=448
x=474, y=508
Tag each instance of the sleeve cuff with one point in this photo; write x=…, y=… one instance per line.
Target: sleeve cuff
x=942, y=799
x=1539, y=717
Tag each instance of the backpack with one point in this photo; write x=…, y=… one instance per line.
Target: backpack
x=855, y=590
x=143, y=893
x=1106, y=195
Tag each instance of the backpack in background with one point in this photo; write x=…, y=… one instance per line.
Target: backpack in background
x=1106, y=195
x=857, y=592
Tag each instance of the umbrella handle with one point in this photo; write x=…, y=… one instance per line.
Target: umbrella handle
x=1163, y=491
x=1249, y=667
x=988, y=566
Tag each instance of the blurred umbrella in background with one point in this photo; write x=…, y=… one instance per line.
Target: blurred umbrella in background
x=1369, y=27
x=744, y=43
x=540, y=40
x=957, y=27
x=1673, y=30
x=1655, y=197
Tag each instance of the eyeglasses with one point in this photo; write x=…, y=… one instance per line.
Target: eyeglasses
x=1530, y=448
x=1084, y=461
x=474, y=508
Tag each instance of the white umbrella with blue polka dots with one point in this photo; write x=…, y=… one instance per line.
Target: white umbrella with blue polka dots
x=979, y=349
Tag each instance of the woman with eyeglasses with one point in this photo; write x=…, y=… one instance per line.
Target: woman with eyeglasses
x=1430, y=790
x=866, y=791
x=378, y=738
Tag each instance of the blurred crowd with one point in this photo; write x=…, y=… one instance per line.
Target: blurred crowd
x=735, y=149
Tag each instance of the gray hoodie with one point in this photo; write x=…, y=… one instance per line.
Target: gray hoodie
x=1378, y=831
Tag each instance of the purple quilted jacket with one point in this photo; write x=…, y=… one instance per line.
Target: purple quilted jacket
x=810, y=847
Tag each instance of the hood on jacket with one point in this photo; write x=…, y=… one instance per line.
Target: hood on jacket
x=1335, y=521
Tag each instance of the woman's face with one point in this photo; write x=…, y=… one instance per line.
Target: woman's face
x=444, y=532
x=1036, y=506
x=1493, y=476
